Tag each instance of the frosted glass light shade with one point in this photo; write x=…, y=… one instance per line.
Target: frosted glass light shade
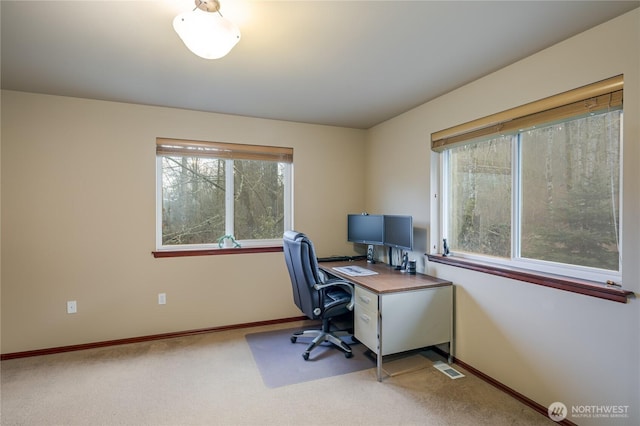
x=208, y=35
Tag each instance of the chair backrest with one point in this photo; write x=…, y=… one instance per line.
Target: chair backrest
x=302, y=264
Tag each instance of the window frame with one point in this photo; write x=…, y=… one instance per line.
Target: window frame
x=516, y=260
x=604, y=285
x=229, y=152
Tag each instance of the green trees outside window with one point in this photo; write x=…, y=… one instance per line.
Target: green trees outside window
x=549, y=193
x=203, y=198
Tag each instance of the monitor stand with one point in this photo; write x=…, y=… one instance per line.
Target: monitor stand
x=391, y=259
x=401, y=267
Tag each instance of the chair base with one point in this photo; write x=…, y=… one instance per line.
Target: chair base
x=321, y=336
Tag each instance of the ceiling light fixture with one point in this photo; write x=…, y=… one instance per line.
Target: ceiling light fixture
x=205, y=31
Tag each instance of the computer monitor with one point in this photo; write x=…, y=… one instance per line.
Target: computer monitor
x=398, y=231
x=365, y=229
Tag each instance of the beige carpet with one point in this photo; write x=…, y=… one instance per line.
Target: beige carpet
x=212, y=379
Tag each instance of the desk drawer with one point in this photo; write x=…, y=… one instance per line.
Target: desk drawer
x=366, y=299
x=365, y=326
x=365, y=318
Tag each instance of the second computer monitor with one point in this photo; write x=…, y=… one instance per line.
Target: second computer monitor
x=398, y=231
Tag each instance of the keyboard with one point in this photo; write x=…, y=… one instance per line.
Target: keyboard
x=334, y=259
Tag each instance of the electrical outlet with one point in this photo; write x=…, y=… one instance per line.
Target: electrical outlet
x=162, y=298
x=72, y=307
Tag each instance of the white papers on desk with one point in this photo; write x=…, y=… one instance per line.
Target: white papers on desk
x=354, y=271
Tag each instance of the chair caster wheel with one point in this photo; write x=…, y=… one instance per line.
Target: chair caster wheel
x=305, y=356
x=348, y=354
x=293, y=339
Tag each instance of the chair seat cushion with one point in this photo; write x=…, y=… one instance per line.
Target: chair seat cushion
x=334, y=296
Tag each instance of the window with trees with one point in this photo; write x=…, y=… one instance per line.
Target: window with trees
x=209, y=190
x=539, y=191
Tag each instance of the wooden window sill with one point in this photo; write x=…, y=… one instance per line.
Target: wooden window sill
x=587, y=288
x=215, y=251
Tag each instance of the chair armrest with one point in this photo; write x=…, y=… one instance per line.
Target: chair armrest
x=339, y=283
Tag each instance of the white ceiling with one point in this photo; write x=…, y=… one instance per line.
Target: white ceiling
x=343, y=63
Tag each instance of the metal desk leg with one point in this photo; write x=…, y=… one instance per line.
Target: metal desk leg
x=452, y=347
x=379, y=358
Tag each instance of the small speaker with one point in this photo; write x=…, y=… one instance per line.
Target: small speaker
x=411, y=267
x=370, y=254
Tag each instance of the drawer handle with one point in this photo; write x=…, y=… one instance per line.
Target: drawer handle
x=365, y=318
x=365, y=299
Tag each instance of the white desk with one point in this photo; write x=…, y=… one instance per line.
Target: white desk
x=396, y=312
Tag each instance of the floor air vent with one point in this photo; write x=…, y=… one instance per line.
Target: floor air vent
x=448, y=370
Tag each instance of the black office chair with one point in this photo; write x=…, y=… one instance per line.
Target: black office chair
x=316, y=296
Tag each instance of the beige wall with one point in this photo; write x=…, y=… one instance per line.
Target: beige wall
x=547, y=344
x=78, y=221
